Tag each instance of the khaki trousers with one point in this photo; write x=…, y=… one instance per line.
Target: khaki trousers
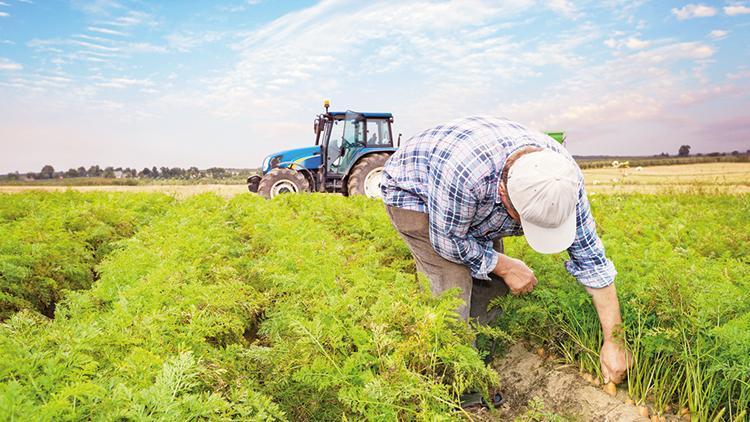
x=413, y=226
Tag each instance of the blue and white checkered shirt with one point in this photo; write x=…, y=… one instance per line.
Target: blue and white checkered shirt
x=452, y=172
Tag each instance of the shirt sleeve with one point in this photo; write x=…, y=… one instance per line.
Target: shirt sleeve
x=588, y=262
x=451, y=207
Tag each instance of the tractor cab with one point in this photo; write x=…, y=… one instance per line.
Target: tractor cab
x=345, y=137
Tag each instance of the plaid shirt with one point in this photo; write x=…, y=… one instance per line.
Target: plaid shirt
x=452, y=172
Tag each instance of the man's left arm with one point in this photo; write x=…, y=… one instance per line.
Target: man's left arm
x=613, y=357
x=590, y=266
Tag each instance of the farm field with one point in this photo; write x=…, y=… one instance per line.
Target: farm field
x=142, y=306
x=729, y=177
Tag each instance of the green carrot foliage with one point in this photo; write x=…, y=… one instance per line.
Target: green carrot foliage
x=683, y=279
x=308, y=307
x=301, y=308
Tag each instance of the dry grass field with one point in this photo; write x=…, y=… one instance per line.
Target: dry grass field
x=178, y=191
x=708, y=177
x=704, y=177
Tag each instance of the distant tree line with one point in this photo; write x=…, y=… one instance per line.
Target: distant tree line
x=49, y=172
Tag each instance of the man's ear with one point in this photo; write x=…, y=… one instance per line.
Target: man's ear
x=505, y=199
x=501, y=191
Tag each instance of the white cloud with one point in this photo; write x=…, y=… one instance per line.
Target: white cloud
x=637, y=44
x=91, y=38
x=186, y=41
x=8, y=65
x=718, y=34
x=94, y=46
x=40, y=82
x=106, y=31
x=741, y=73
x=637, y=103
x=4, y=15
x=96, y=53
x=239, y=7
x=337, y=43
x=737, y=9
x=144, y=47
x=564, y=7
x=632, y=43
x=47, y=44
x=675, y=52
x=2, y=3
x=694, y=11
x=97, y=7
x=132, y=18
x=94, y=59
x=121, y=83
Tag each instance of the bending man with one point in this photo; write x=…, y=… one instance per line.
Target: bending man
x=453, y=190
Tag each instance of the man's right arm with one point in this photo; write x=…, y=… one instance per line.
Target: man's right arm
x=516, y=274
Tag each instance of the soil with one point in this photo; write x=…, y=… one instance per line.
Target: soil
x=525, y=376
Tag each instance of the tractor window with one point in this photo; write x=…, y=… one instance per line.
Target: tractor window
x=378, y=134
x=347, y=137
x=335, y=141
x=354, y=132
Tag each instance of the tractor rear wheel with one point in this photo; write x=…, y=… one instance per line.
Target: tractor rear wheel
x=282, y=180
x=366, y=175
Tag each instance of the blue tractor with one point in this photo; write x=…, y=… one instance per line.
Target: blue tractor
x=348, y=157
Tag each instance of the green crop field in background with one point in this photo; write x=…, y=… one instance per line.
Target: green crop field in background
x=132, y=306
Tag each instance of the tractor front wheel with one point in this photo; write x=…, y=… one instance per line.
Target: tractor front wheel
x=253, y=182
x=366, y=175
x=282, y=180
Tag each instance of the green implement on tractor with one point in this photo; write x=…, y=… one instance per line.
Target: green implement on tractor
x=558, y=136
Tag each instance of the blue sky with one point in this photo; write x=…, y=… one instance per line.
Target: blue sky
x=138, y=83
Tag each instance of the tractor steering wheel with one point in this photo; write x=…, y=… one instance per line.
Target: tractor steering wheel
x=346, y=144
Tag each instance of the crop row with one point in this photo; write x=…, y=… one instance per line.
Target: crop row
x=303, y=308
x=52, y=243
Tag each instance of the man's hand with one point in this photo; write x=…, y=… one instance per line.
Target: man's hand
x=519, y=277
x=615, y=361
x=614, y=358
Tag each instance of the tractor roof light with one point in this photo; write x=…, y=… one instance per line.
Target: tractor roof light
x=326, y=104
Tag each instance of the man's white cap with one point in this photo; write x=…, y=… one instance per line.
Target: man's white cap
x=543, y=188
